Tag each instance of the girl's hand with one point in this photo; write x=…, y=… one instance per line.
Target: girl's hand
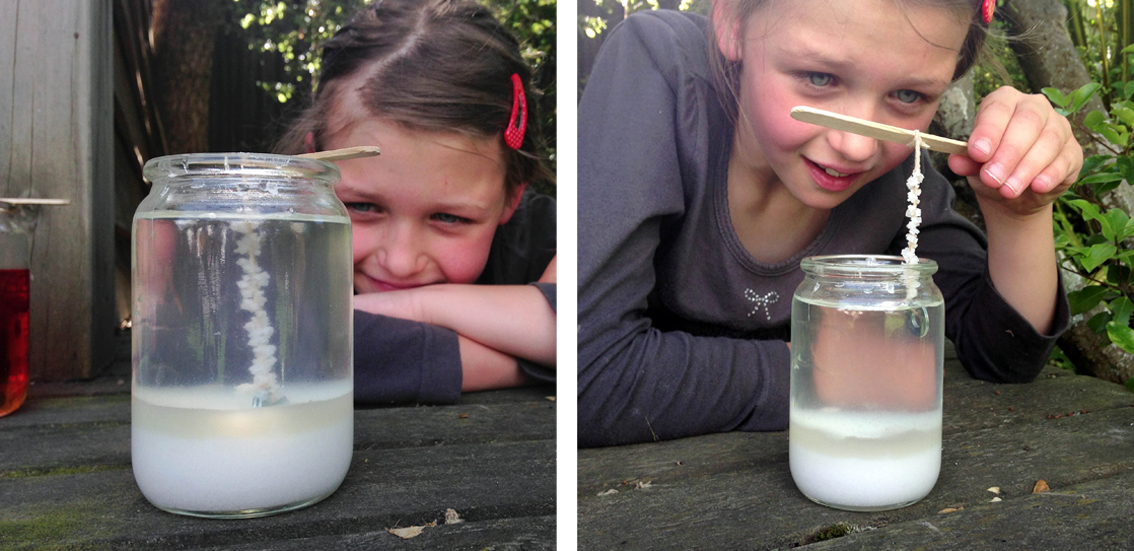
x=1022, y=154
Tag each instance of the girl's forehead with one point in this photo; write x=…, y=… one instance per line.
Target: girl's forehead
x=871, y=21
x=857, y=34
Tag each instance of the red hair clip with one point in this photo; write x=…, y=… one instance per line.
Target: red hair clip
x=514, y=135
x=986, y=9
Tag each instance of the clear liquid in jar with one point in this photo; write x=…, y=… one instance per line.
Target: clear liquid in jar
x=865, y=425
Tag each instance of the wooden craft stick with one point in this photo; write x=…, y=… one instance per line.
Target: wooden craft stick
x=34, y=201
x=875, y=130
x=344, y=153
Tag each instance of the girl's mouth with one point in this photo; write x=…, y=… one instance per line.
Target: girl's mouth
x=383, y=286
x=829, y=178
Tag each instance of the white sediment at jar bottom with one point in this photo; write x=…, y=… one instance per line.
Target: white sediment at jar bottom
x=211, y=461
x=895, y=470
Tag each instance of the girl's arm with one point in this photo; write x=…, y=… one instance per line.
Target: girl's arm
x=512, y=319
x=483, y=368
x=637, y=383
x=1022, y=157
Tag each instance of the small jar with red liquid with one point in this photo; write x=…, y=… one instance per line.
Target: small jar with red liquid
x=16, y=225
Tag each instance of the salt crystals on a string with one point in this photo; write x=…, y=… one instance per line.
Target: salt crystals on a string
x=913, y=212
x=259, y=328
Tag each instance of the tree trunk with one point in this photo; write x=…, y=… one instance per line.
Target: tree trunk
x=1044, y=48
x=1049, y=59
x=185, y=33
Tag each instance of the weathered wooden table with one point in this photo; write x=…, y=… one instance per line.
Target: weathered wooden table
x=735, y=491
x=66, y=483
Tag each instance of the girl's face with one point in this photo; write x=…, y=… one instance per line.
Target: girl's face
x=425, y=210
x=863, y=58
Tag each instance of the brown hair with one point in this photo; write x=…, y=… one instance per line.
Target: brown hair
x=726, y=72
x=432, y=65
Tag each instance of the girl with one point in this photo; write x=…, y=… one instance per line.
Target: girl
x=699, y=195
x=441, y=88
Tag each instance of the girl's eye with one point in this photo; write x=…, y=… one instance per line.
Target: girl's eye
x=908, y=96
x=446, y=218
x=362, y=207
x=819, y=79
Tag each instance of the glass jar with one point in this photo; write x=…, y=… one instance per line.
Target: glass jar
x=17, y=222
x=867, y=345
x=242, y=335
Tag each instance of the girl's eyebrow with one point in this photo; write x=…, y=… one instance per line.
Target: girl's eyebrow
x=808, y=54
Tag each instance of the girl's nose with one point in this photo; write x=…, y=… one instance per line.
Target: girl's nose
x=853, y=147
x=401, y=255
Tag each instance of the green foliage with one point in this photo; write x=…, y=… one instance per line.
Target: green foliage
x=1091, y=235
x=1060, y=360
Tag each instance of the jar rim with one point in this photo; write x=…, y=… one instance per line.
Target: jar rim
x=192, y=166
x=866, y=265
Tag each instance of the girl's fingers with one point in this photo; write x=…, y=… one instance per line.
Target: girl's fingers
x=962, y=165
x=1062, y=172
x=1028, y=122
x=991, y=121
x=1029, y=171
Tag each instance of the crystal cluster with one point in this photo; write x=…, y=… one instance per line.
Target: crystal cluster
x=264, y=383
x=913, y=212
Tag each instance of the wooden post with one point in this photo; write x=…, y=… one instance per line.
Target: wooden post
x=56, y=140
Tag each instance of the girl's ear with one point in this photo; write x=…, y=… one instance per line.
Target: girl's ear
x=309, y=142
x=727, y=29
x=513, y=203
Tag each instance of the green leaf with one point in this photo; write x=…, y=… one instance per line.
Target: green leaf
x=1055, y=96
x=1122, y=308
x=1080, y=97
x=1086, y=298
x=1130, y=384
x=1088, y=209
x=1113, y=137
x=1121, y=335
x=1119, y=220
x=1098, y=254
x=1127, y=50
x=1129, y=90
x=1101, y=177
x=1093, y=119
x=1098, y=322
x=1124, y=114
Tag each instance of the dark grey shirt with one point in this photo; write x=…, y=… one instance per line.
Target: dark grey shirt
x=681, y=330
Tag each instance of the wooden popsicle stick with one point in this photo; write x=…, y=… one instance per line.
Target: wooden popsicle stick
x=344, y=153
x=876, y=130
x=34, y=201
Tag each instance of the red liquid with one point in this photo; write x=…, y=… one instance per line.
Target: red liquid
x=13, y=339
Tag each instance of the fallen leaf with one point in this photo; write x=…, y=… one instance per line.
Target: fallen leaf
x=608, y=492
x=643, y=484
x=451, y=517
x=947, y=510
x=1040, y=487
x=463, y=416
x=406, y=533
x=995, y=489
x=550, y=398
x=995, y=500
